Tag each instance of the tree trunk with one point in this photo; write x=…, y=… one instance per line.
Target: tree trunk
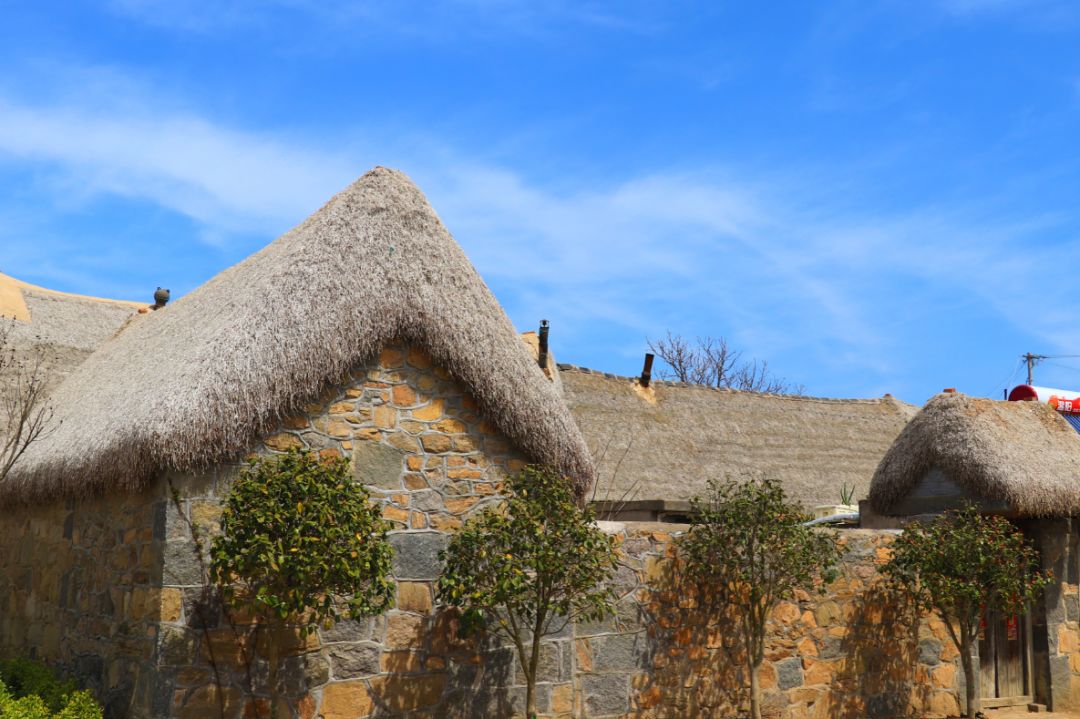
x=530, y=677
x=971, y=676
x=273, y=673
x=755, y=691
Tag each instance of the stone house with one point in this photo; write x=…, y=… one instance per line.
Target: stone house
x=657, y=444
x=363, y=332
x=1021, y=460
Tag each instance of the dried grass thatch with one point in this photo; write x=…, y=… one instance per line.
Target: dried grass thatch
x=57, y=328
x=665, y=443
x=1022, y=453
x=196, y=382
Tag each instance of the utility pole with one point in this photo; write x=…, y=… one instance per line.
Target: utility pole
x=1031, y=360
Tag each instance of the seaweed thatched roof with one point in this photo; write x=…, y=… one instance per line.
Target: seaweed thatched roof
x=59, y=328
x=666, y=442
x=1020, y=453
x=196, y=382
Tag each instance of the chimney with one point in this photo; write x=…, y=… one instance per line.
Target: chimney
x=543, y=333
x=646, y=371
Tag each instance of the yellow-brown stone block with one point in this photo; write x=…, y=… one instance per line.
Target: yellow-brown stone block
x=435, y=442
x=403, y=395
x=283, y=441
x=444, y=522
x=461, y=504
x=432, y=412
x=944, y=676
x=346, y=700
x=401, y=662
x=562, y=698
x=391, y=358
x=395, y=514
x=451, y=426
x=1068, y=640
x=172, y=601
x=384, y=416
x=403, y=630
x=405, y=693
x=414, y=597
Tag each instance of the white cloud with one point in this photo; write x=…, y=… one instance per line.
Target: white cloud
x=226, y=179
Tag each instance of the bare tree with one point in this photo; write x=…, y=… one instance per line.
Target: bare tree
x=24, y=411
x=710, y=361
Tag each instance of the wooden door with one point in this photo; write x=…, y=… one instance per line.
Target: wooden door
x=1004, y=666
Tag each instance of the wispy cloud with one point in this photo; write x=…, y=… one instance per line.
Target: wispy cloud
x=229, y=180
x=698, y=252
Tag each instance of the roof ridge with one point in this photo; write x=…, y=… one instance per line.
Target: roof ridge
x=563, y=366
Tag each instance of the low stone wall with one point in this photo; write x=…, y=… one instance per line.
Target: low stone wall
x=852, y=652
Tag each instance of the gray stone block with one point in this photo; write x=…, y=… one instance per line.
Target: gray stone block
x=183, y=565
x=789, y=673
x=349, y=661
x=350, y=630
x=378, y=465
x=617, y=652
x=416, y=554
x=548, y=665
x=606, y=693
x=930, y=652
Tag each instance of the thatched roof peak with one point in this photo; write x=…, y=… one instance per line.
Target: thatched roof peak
x=1020, y=453
x=196, y=382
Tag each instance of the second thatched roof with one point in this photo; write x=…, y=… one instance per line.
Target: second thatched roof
x=1020, y=453
x=196, y=382
x=55, y=330
x=667, y=442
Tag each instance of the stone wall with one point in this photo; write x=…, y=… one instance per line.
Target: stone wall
x=80, y=588
x=1056, y=618
x=854, y=651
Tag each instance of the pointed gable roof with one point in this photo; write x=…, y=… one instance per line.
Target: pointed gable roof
x=196, y=382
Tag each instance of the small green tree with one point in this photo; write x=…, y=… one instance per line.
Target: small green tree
x=962, y=564
x=301, y=544
x=746, y=550
x=529, y=567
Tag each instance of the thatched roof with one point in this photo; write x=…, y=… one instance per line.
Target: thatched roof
x=196, y=382
x=60, y=328
x=668, y=442
x=1022, y=453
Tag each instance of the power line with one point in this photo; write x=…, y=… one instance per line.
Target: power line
x=1008, y=380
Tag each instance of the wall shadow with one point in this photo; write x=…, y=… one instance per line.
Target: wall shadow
x=694, y=659
x=877, y=675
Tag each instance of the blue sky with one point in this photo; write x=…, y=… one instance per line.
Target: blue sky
x=874, y=196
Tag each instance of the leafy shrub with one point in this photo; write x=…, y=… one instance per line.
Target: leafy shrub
x=748, y=549
x=530, y=567
x=301, y=544
x=30, y=690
